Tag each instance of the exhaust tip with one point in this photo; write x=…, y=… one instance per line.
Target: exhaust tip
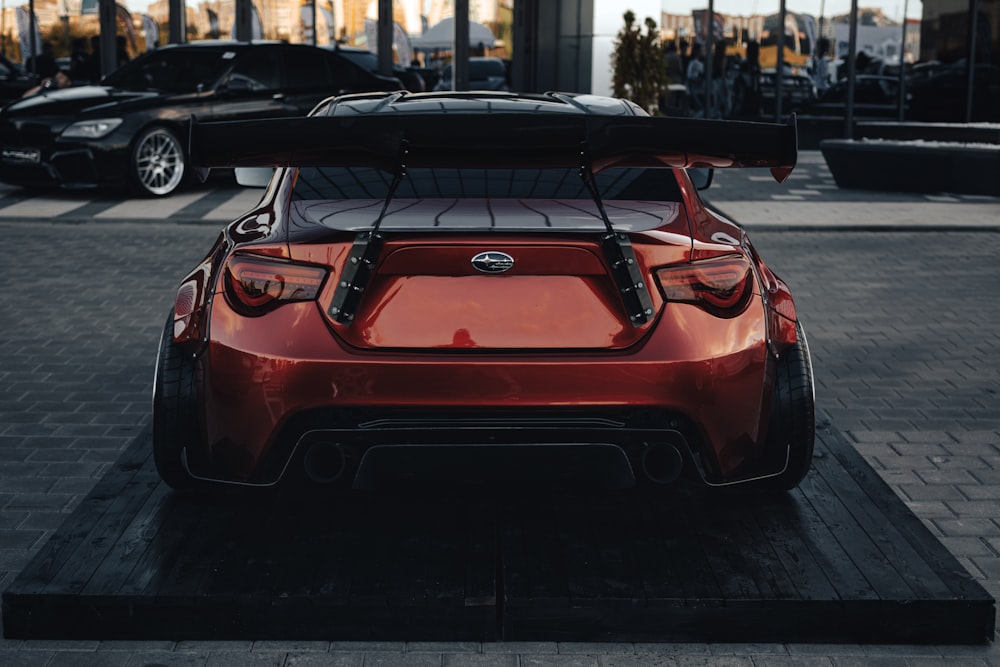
x=661, y=463
x=325, y=462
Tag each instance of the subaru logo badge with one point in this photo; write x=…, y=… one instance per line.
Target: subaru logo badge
x=493, y=261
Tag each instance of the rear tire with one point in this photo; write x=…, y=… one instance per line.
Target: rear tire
x=793, y=415
x=176, y=422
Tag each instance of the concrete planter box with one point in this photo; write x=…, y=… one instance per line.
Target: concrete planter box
x=966, y=133
x=914, y=166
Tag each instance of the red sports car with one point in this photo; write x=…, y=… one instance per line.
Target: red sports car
x=481, y=285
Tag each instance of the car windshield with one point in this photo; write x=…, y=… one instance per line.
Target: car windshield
x=484, y=69
x=173, y=70
x=327, y=183
x=365, y=59
x=479, y=70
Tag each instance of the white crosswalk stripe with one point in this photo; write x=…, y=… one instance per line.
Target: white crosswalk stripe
x=41, y=207
x=218, y=205
x=141, y=208
x=749, y=193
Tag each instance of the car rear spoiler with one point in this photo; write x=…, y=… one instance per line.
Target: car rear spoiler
x=436, y=139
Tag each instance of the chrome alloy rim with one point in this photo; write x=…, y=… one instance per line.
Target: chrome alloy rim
x=159, y=162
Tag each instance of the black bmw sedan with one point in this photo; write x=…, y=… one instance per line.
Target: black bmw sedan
x=132, y=129
x=14, y=80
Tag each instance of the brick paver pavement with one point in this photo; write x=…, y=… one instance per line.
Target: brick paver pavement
x=904, y=329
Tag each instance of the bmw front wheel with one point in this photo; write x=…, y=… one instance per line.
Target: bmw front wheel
x=158, y=162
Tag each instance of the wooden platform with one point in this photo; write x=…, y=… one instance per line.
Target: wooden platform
x=839, y=560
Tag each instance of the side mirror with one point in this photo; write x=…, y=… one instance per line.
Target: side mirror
x=254, y=177
x=702, y=178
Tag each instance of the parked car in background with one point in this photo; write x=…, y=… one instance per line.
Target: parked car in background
x=798, y=91
x=14, y=80
x=941, y=94
x=485, y=73
x=875, y=96
x=132, y=129
x=412, y=80
x=482, y=285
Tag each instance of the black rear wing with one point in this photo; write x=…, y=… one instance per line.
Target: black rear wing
x=504, y=140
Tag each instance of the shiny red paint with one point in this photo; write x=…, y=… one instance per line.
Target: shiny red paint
x=427, y=301
x=256, y=379
x=426, y=294
x=433, y=334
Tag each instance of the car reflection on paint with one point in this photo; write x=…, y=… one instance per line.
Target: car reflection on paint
x=472, y=286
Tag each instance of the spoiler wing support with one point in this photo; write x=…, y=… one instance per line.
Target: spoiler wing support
x=620, y=256
x=360, y=264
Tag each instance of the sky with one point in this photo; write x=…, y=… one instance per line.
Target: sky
x=891, y=8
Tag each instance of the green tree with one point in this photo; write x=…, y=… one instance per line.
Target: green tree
x=639, y=72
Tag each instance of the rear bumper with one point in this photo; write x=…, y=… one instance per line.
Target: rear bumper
x=600, y=463
x=367, y=448
x=694, y=375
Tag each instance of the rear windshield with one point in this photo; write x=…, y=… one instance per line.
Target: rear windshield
x=326, y=183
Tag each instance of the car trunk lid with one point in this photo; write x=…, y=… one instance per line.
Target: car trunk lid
x=533, y=276
x=429, y=294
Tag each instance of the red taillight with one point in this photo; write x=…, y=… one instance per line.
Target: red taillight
x=255, y=285
x=721, y=286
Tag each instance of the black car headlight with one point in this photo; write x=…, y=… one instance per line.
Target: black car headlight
x=91, y=129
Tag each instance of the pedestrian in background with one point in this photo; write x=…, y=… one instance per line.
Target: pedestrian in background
x=821, y=66
x=121, y=51
x=49, y=75
x=746, y=87
x=43, y=64
x=695, y=78
x=675, y=66
x=722, y=103
x=674, y=101
x=78, y=61
x=90, y=68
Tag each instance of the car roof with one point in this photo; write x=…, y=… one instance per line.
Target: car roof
x=350, y=49
x=482, y=59
x=210, y=43
x=445, y=102
x=232, y=45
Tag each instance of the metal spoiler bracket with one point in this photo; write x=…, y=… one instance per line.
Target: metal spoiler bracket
x=360, y=264
x=620, y=255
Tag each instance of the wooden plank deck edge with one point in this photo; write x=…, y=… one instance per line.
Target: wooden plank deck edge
x=30, y=610
x=944, y=563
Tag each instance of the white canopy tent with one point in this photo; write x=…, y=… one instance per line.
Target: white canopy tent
x=441, y=36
